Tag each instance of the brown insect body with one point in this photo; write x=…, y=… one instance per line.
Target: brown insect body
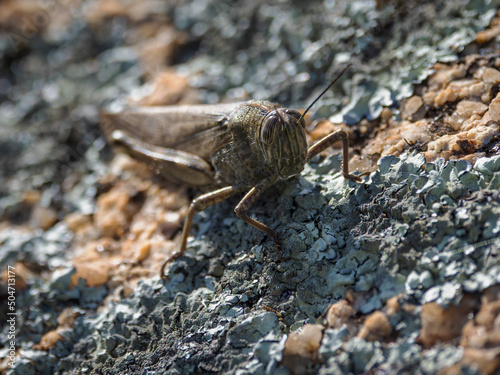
x=244, y=143
x=267, y=141
x=177, y=141
x=223, y=149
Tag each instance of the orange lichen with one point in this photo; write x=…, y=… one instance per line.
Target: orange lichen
x=48, y=340
x=376, y=327
x=439, y=324
x=340, y=313
x=301, y=348
x=455, y=114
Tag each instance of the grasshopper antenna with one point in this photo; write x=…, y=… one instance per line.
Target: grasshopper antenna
x=325, y=90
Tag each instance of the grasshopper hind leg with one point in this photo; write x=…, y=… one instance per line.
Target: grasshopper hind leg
x=177, y=166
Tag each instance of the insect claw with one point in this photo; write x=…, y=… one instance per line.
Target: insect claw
x=275, y=312
x=170, y=259
x=277, y=246
x=354, y=178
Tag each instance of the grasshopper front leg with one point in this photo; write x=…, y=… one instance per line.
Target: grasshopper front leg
x=330, y=139
x=198, y=204
x=247, y=202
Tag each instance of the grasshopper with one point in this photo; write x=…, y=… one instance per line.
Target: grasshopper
x=223, y=149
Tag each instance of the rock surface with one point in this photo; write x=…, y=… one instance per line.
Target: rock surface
x=396, y=274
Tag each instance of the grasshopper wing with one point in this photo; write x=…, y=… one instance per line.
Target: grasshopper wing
x=196, y=129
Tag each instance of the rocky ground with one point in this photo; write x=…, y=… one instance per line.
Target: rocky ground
x=397, y=274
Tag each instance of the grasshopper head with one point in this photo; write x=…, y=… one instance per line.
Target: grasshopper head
x=283, y=140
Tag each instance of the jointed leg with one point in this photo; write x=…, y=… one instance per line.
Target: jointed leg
x=330, y=139
x=248, y=200
x=197, y=205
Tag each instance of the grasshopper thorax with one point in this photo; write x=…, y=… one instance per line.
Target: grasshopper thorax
x=282, y=138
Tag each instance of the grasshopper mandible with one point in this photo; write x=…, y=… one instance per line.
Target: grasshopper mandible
x=224, y=149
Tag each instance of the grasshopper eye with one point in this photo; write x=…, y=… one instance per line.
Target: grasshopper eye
x=268, y=129
x=296, y=115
